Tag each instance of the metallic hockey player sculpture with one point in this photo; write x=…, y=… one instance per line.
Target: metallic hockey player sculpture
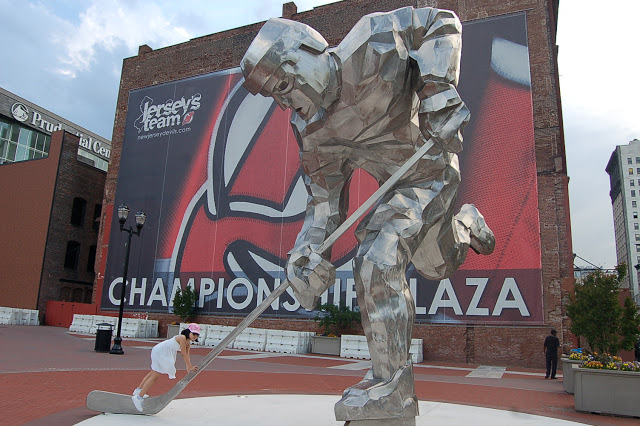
x=385, y=92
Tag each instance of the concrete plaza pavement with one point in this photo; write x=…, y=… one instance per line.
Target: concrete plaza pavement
x=46, y=374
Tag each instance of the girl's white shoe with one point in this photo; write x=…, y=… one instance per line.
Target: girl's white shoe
x=137, y=393
x=137, y=401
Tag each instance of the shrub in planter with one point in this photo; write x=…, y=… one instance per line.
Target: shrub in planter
x=597, y=316
x=608, y=362
x=607, y=386
x=336, y=320
x=184, y=303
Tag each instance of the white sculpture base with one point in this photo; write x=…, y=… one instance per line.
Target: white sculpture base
x=310, y=410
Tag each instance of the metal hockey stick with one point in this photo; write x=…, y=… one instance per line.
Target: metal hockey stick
x=108, y=402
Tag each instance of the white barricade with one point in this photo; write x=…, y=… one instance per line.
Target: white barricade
x=254, y=339
x=27, y=316
x=18, y=316
x=416, y=351
x=289, y=342
x=81, y=323
x=216, y=333
x=152, y=329
x=100, y=319
x=307, y=341
x=282, y=341
x=8, y=316
x=130, y=327
x=148, y=328
x=356, y=347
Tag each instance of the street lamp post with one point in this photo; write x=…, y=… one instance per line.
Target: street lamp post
x=123, y=212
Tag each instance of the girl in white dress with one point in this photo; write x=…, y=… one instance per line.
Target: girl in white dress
x=163, y=361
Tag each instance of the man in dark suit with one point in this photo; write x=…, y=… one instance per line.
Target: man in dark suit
x=551, y=345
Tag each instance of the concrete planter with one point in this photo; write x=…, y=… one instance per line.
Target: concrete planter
x=173, y=330
x=325, y=345
x=567, y=373
x=606, y=391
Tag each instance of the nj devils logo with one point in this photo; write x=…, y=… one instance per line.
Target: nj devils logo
x=242, y=221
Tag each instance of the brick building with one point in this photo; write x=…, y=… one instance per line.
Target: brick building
x=483, y=338
x=52, y=173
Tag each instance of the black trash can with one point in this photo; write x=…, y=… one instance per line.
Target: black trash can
x=103, y=337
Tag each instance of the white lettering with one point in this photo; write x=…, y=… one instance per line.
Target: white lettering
x=220, y=293
x=510, y=286
x=37, y=120
x=351, y=292
x=158, y=293
x=168, y=114
x=112, y=286
x=36, y=117
x=140, y=291
x=291, y=306
x=336, y=292
x=473, y=309
x=192, y=283
x=176, y=285
x=207, y=287
x=249, y=293
x=420, y=310
x=264, y=292
x=451, y=301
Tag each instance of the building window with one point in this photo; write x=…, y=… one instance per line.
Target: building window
x=20, y=143
x=637, y=237
x=629, y=160
x=635, y=215
x=92, y=258
x=97, y=212
x=65, y=294
x=632, y=182
x=633, y=192
x=77, y=211
x=630, y=170
x=636, y=226
x=637, y=160
x=634, y=204
x=71, y=257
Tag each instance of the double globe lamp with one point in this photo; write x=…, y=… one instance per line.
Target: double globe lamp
x=123, y=213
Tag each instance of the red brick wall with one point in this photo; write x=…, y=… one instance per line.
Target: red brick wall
x=25, y=219
x=476, y=344
x=74, y=179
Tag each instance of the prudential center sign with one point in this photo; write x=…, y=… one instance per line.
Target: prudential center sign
x=21, y=113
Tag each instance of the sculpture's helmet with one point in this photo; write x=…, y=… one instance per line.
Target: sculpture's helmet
x=276, y=43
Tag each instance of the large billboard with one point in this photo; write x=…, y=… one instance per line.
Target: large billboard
x=217, y=171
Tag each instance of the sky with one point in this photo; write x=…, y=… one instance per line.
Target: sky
x=66, y=56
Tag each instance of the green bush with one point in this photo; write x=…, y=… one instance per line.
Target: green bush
x=184, y=303
x=596, y=314
x=336, y=320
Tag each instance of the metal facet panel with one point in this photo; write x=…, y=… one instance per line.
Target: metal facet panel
x=371, y=103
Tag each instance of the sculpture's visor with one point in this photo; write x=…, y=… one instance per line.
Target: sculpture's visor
x=276, y=43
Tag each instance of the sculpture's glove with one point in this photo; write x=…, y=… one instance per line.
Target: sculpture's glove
x=310, y=275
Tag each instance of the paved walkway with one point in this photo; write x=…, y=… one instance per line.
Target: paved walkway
x=46, y=374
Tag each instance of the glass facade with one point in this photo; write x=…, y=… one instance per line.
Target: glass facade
x=94, y=160
x=18, y=143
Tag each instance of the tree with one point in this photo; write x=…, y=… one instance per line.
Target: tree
x=336, y=319
x=597, y=316
x=184, y=303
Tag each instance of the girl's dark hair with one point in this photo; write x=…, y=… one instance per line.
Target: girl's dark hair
x=186, y=332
